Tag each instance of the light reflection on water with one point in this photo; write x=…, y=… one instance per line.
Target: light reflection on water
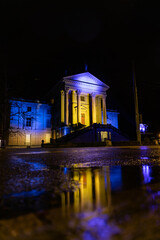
x=93, y=198
x=146, y=173
x=26, y=194
x=37, y=166
x=98, y=201
x=96, y=185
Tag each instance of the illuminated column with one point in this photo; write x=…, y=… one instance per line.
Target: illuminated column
x=67, y=110
x=74, y=107
x=99, y=112
x=104, y=110
x=62, y=106
x=54, y=134
x=93, y=108
x=78, y=107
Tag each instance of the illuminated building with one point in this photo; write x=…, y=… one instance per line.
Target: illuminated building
x=80, y=111
x=79, y=100
x=79, y=107
x=30, y=122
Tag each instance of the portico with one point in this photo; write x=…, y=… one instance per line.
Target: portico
x=83, y=100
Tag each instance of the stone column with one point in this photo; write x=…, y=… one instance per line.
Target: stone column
x=67, y=110
x=99, y=112
x=78, y=107
x=54, y=134
x=62, y=106
x=93, y=108
x=104, y=110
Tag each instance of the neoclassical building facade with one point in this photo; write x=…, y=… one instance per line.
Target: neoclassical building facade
x=81, y=99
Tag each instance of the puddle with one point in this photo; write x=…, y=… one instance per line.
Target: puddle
x=33, y=193
x=77, y=199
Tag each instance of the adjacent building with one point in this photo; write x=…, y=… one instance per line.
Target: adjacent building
x=30, y=122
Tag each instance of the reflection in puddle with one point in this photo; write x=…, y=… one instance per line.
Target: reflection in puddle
x=37, y=166
x=86, y=201
x=65, y=170
x=97, y=226
x=30, y=152
x=144, y=147
x=94, y=191
x=96, y=202
x=26, y=194
x=116, y=178
x=146, y=173
x=145, y=158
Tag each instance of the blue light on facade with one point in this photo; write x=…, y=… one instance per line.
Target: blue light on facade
x=30, y=122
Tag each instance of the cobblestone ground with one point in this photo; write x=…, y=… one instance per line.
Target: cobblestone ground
x=80, y=193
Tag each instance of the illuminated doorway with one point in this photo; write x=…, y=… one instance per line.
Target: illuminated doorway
x=83, y=118
x=48, y=136
x=28, y=139
x=104, y=136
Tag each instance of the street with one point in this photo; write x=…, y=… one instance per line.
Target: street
x=80, y=193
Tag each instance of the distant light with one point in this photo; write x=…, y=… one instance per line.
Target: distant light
x=86, y=67
x=143, y=127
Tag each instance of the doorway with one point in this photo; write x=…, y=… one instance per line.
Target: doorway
x=28, y=139
x=83, y=118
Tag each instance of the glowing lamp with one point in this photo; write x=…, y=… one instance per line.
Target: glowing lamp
x=143, y=127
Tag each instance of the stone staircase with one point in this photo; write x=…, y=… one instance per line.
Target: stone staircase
x=74, y=134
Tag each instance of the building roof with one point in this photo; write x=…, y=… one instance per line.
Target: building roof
x=86, y=80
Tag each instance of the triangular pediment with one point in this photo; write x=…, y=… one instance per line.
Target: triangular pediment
x=86, y=78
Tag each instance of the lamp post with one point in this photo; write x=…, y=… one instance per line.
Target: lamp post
x=138, y=134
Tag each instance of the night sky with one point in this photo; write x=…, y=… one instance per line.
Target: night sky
x=39, y=41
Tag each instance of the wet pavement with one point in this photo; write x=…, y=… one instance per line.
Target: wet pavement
x=80, y=193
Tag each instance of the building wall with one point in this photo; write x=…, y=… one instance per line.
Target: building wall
x=30, y=123
x=112, y=118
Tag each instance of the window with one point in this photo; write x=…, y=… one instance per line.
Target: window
x=83, y=118
x=28, y=122
x=82, y=98
x=28, y=109
x=28, y=138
